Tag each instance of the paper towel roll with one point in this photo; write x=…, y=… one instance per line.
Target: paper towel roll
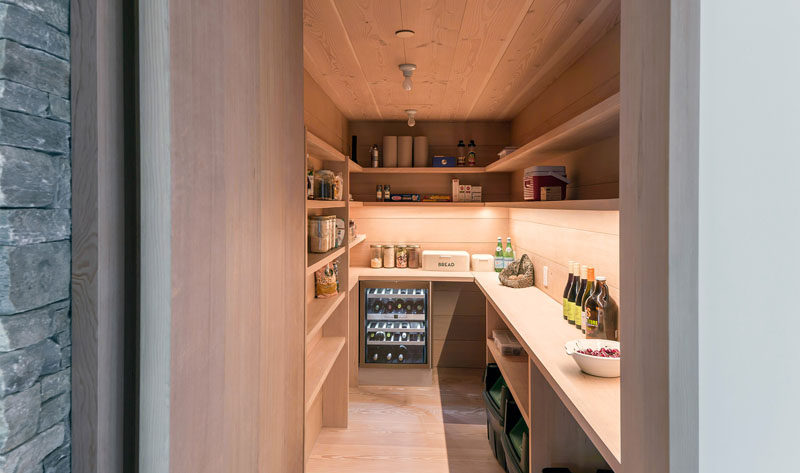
x=421, y=152
x=390, y=151
x=404, y=149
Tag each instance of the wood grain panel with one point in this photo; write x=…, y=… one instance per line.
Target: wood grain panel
x=457, y=302
x=535, y=51
x=588, y=220
x=458, y=353
x=458, y=327
x=322, y=117
x=330, y=58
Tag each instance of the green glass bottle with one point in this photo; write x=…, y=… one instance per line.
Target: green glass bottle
x=508, y=253
x=579, y=298
x=498, y=255
x=567, y=288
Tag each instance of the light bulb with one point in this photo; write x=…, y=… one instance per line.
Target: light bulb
x=407, y=84
x=411, y=121
x=411, y=116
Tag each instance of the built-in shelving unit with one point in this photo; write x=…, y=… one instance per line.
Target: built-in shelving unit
x=326, y=319
x=595, y=124
x=515, y=372
x=358, y=239
x=354, y=166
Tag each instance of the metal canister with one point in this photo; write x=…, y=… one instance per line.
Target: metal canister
x=376, y=160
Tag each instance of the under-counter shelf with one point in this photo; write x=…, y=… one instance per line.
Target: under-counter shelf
x=318, y=260
x=538, y=324
x=591, y=126
x=515, y=372
x=319, y=311
x=319, y=362
x=324, y=204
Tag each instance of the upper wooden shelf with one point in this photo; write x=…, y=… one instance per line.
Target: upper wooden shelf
x=318, y=260
x=537, y=322
x=595, y=124
x=594, y=204
x=354, y=166
x=320, y=149
x=324, y=204
x=319, y=362
x=358, y=239
x=426, y=170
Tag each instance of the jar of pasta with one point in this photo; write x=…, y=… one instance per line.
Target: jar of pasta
x=401, y=256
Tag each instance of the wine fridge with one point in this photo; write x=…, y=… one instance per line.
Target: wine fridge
x=395, y=324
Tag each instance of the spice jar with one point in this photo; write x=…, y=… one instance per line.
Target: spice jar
x=401, y=256
x=388, y=256
x=375, y=256
x=320, y=233
x=413, y=256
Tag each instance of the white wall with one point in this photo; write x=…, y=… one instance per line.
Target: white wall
x=749, y=234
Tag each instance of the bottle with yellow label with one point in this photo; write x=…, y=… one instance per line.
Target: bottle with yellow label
x=579, y=298
x=566, y=290
x=573, y=292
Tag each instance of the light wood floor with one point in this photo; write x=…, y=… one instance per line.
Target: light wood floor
x=402, y=429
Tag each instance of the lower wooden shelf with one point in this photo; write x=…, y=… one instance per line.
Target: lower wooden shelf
x=319, y=362
x=319, y=310
x=515, y=372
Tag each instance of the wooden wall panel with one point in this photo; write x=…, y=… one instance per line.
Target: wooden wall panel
x=553, y=237
x=458, y=325
x=442, y=228
x=322, y=117
x=234, y=147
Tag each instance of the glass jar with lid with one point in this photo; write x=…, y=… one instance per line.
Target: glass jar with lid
x=414, y=257
x=388, y=256
x=401, y=256
x=323, y=184
x=375, y=256
x=320, y=233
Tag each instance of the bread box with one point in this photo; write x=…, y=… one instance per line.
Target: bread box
x=482, y=262
x=437, y=260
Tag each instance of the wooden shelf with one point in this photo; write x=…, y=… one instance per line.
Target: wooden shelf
x=594, y=204
x=426, y=170
x=423, y=204
x=354, y=166
x=359, y=239
x=515, y=372
x=319, y=311
x=536, y=320
x=320, y=149
x=356, y=203
x=324, y=204
x=319, y=362
x=595, y=124
x=318, y=260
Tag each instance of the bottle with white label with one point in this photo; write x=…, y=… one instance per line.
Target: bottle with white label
x=498, y=255
x=508, y=253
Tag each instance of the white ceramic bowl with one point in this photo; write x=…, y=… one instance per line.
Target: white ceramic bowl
x=594, y=365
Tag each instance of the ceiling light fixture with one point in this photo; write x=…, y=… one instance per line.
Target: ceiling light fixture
x=407, y=69
x=411, y=116
x=404, y=33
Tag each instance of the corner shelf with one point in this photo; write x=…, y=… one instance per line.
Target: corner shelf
x=320, y=149
x=318, y=260
x=318, y=365
x=354, y=166
x=324, y=204
x=595, y=124
x=515, y=372
x=319, y=311
x=358, y=239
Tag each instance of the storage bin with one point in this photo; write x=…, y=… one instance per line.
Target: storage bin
x=495, y=393
x=434, y=260
x=515, y=437
x=505, y=341
x=537, y=177
x=482, y=262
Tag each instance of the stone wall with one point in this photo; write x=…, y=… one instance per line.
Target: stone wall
x=35, y=227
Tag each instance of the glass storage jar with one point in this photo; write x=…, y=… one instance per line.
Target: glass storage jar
x=388, y=256
x=320, y=233
x=414, y=257
x=323, y=185
x=401, y=256
x=375, y=256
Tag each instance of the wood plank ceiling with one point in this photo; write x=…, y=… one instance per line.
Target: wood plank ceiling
x=476, y=59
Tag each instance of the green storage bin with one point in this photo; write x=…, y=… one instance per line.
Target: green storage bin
x=495, y=393
x=516, y=445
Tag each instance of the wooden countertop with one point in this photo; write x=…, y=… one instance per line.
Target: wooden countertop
x=537, y=322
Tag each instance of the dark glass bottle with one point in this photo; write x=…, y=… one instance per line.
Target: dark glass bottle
x=400, y=306
x=389, y=306
x=602, y=313
x=586, y=295
x=567, y=288
x=573, y=293
x=376, y=306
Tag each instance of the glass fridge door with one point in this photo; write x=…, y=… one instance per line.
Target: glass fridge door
x=396, y=326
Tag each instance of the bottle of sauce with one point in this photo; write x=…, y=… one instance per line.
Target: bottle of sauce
x=471, y=158
x=462, y=160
